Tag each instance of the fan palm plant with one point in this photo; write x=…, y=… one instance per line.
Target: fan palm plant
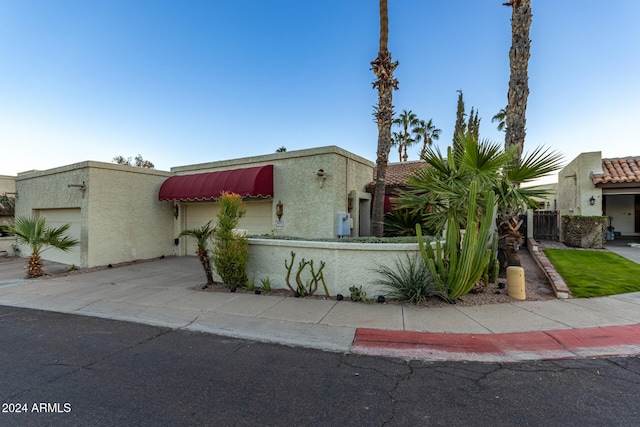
x=501, y=118
x=407, y=120
x=428, y=132
x=34, y=233
x=444, y=185
x=202, y=235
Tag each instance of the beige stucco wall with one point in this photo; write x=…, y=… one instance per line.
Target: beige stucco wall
x=346, y=264
x=575, y=187
x=121, y=217
x=311, y=203
x=7, y=184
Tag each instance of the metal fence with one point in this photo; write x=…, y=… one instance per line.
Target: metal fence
x=545, y=225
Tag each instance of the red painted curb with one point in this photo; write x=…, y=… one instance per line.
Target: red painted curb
x=557, y=344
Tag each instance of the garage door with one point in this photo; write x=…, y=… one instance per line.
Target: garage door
x=256, y=221
x=57, y=218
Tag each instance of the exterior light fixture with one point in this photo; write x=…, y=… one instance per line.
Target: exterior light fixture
x=592, y=201
x=279, y=209
x=176, y=211
x=82, y=187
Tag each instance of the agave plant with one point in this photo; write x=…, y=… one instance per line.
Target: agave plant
x=34, y=233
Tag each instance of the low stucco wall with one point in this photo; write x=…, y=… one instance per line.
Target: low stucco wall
x=6, y=244
x=347, y=264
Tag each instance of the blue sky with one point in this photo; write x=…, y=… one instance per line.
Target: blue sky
x=185, y=82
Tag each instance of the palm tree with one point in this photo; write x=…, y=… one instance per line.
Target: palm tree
x=202, y=235
x=428, y=132
x=35, y=234
x=444, y=184
x=397, y=140
x=501, y=118
x=519, y=79
x=406, y=120
x=383, y=68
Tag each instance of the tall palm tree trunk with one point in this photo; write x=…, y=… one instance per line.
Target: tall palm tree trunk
x=509, y=236
x=383, y=68
x=205, y=260
x=519, y=78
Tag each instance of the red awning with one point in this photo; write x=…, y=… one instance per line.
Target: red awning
x=249, y=182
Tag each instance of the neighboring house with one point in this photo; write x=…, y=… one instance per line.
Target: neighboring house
x=591, y=185
x=122, y=213
x=113, y=211
x=396, y=179
x=7, y=190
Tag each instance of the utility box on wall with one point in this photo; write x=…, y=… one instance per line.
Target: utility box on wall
x=343, y=224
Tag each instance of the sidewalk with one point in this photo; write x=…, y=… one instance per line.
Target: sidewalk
x=157, y=293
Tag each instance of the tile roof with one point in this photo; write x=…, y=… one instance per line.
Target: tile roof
x=618, y=170
x=398, y=173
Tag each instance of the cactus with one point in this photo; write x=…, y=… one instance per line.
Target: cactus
x=494, y=265
x=311, y=285
x=457, y=267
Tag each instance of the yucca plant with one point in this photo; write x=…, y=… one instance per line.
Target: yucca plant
x=202, y=235
x=34, y=233
x=409, y=281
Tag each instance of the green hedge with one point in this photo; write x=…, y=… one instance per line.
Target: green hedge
x=584, y=231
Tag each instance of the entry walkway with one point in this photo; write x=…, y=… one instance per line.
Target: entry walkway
x=159, y=293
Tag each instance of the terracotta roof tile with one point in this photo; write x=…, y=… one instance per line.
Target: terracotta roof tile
x=618, y=170
x=398, y=173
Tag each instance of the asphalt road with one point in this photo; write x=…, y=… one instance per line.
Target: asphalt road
x=67, y=370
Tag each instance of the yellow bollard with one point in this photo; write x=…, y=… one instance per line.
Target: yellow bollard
x=515, y=283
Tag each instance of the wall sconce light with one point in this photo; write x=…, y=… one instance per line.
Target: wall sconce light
x=322, y=176
x=592, y=201
x=176, y=211
x=82, y=187
x=279, y=209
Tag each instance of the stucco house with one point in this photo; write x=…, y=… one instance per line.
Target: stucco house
x=592, y=186
x=7, y=191
x=396, y=179
x=121, y=213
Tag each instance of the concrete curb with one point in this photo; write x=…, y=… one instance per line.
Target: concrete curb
x=509, y=347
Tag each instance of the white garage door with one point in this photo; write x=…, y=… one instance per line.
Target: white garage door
x=256, y=221
x=56, y=218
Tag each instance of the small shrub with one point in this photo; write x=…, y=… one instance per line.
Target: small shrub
x=231, y=250
x=266, y=284
x=410, y=281
x=357, y=294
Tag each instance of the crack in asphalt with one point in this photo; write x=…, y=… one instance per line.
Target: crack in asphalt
x=396, y=378
x=87, y=366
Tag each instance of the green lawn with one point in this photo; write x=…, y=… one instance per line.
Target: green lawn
x=595, y=273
